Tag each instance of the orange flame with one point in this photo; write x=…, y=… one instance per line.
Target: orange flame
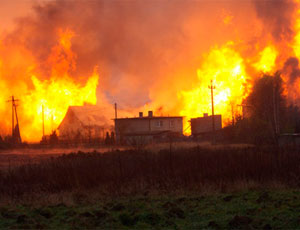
x=267, y=59
x=55, y=94
x=226, y=68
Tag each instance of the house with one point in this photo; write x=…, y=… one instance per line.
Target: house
x=146, y=129
x=82, y=123
x=203, y=125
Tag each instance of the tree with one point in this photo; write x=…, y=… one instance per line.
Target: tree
x=267, y=112
x=268, y=105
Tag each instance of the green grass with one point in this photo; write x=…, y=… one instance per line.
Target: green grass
x=239, y=210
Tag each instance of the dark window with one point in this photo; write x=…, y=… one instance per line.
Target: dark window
x=171, y=123
x=159, y=123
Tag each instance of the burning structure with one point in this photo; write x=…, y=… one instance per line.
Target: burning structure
x=53, y=59
x=204, y=125
x=84, y=123
x=140, y=130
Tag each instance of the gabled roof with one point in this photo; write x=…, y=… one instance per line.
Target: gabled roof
x=148, y=118
x=87, y=115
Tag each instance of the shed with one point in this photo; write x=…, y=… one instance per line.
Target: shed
x=203, y=125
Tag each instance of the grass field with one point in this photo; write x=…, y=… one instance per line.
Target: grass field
x=169, y=187
x=239, y=210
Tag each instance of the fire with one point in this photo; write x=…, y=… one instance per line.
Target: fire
x=267, y=59
x=226, y=17
x=296, y=43
x=53, y=95
x=49, y=83
x=227, y=70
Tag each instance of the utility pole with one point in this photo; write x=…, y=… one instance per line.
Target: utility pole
x=13, y=117
x=232, y=113
x=43, y=118
x=116, y=111
x=212, y=87
x=276, y=108
x=52, y=123
x=16, y=137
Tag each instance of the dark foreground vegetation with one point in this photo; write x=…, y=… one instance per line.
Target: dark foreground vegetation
x=240, y=210
x=139, y=171
x=191, y=188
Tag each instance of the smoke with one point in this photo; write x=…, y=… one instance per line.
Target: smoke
x=146, y=51
x=139, y=46
x=276, y=16
x=129, y=41
x=291, y=69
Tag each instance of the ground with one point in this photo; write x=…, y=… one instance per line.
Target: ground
x=257, y=209
x=167, y=186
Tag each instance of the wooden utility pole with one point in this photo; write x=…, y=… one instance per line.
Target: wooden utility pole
x=52, y=123
x=116, y=111
x=212, y=87
x=12, y=117
x=232, y=113
x=15, y=136
x=43, y=118
x=276, y=108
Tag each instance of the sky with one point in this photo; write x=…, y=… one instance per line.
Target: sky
x=10, y=10
x=155, y=55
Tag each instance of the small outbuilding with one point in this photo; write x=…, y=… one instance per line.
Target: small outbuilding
x=203, y=125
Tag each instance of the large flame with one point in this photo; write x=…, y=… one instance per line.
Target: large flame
x=267, y=59
x=48, y=97
x=232, y=74
x=231, y=64
x=225, y=68
x=296, y=42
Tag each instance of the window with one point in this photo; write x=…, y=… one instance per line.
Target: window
x=159, y=123
x=171, y=123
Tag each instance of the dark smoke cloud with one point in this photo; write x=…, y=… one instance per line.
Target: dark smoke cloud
x=277, y=16
x=130, y=41
x=291, y=69
x=138, y=45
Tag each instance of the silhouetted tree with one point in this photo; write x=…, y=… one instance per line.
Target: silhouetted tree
x=112, y=138
x=270, y=113
x=268, y=108
x=107, y=139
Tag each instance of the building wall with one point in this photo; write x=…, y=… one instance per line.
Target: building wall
x=204, y=124
x=145, y=125
x=169, y=123
x=142, y=125
x=125, y=126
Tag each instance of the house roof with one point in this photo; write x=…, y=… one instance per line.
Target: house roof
x=150, y=133
x=147, y=118
x=87, y=115
x=207, y=117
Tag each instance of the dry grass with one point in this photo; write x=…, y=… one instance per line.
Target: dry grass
x=192, y=144
x=137, y=172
